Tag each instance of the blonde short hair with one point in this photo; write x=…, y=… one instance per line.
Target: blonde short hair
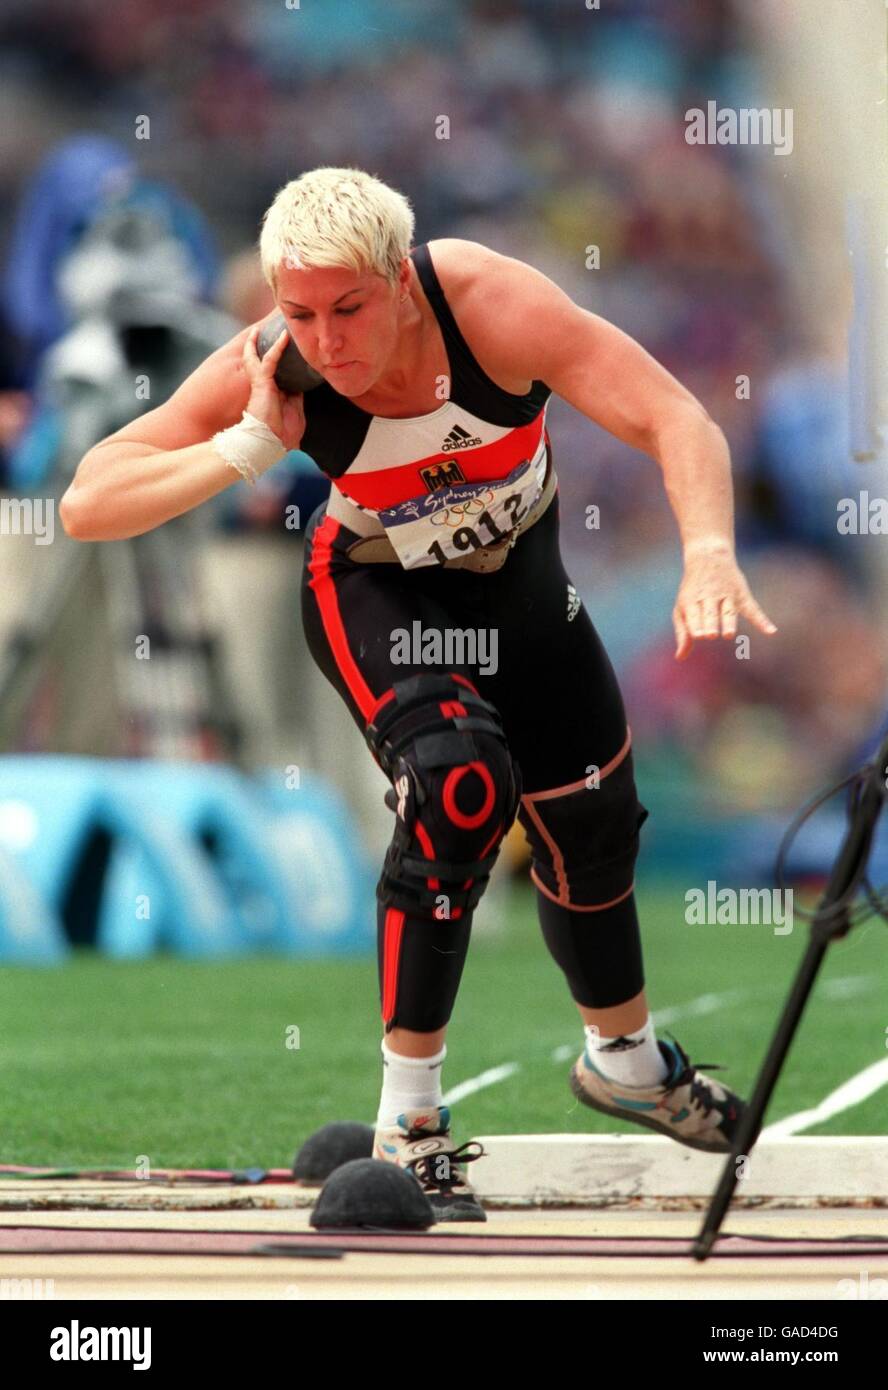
x=337, y=217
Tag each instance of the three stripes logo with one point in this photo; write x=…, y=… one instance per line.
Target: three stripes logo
x=458, y=438
x=573, y=603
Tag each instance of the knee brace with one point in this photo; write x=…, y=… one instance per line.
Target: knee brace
x=455, y=791
x=584, y=838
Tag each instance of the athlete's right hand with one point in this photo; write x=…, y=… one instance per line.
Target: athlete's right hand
x=284, y=415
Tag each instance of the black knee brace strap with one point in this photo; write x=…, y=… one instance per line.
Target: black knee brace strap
x=585, y=842
x=455, y=791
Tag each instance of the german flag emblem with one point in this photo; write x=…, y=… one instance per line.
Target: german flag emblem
x=444, y=474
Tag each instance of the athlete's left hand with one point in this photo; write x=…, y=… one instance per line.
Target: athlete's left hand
x=713, y=591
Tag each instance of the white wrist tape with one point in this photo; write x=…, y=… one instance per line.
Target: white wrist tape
x=250, y=446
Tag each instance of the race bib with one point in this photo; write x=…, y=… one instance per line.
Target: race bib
x=444, y=525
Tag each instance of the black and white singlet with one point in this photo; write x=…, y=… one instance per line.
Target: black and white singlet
x=479, y=461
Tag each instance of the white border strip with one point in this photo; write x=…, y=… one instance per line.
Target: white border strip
x=582, y=1169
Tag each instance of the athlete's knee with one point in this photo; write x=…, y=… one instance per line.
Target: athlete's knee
x=584, y=837
x=455, y=791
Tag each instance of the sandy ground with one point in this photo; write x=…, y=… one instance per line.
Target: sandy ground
x=417, y=1276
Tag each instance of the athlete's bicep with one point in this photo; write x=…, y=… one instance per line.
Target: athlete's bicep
x=213, y=397
x=528, y=326
x=613, y=380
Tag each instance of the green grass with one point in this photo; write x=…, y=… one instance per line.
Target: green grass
x=187, y=1063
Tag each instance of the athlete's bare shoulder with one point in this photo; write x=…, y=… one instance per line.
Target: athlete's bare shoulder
x=490, y=294
x=462, y=266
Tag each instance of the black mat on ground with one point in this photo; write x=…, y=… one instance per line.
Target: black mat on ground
x=82, y=1240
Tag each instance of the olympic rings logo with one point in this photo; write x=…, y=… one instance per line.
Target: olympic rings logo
x=461, y=511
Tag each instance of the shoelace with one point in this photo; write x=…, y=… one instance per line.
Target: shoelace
x=690, y=1066
x=424, y=1167
x=700, y=1091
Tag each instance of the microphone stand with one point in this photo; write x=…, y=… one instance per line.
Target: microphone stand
x=830, y=921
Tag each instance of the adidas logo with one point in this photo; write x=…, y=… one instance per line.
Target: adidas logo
x=621, y=1044
x=573, y=603
x=458, y=438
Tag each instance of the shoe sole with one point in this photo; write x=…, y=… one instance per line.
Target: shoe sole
x=465, y=1208
x=582, y=1094
x=460, y=1211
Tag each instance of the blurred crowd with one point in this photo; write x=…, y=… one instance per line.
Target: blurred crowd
x=542, y=129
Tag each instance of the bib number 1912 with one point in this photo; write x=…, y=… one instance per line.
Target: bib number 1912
x=467, y=538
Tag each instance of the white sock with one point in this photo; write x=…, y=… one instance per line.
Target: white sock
x=408, y=1083
x=633, y=1059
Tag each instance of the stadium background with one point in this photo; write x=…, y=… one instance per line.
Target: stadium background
x=566, y=130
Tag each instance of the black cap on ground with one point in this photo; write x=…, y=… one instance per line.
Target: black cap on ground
x=371, y=1192
x=331, y=1146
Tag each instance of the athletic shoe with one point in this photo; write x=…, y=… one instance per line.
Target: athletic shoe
x=421, y=1143
x=687, y=1105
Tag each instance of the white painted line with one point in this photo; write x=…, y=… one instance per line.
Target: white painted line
x=847, y=986
x=704, y=1004
x=491, y=1077
x=842, y=987
x=858, y=1088
x=852, y=1092
x=695, y=1008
